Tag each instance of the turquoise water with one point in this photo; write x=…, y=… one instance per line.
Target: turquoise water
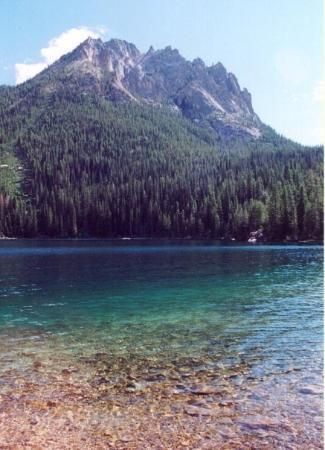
x=254, y=309
x=184, y=297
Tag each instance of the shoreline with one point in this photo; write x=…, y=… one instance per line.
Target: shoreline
x=133, y=347
x=164, y=239
x=101, y=400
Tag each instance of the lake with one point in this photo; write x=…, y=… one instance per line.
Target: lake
x=160, y=344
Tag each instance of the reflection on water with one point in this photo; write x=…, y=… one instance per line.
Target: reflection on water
x=248, y=318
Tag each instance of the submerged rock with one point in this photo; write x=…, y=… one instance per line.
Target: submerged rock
x=134, y=387
x=203, y=389
x=311, y=390
x=193, y=410
x=155, y=377
x=51, y=404
x=37, y=365
x=100, y=380
x=101, y=356
x=260, y=423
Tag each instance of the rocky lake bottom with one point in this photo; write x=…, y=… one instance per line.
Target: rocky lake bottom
x=160, y=346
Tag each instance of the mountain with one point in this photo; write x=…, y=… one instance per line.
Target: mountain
x=119, y=72
x=108, y=141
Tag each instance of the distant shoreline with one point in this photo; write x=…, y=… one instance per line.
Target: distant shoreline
x=128, y=239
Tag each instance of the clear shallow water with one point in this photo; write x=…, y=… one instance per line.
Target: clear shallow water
x=253, y=310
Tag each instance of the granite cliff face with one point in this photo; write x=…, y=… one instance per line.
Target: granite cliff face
x=118, y=71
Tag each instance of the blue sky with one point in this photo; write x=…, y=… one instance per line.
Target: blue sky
x=273, y=47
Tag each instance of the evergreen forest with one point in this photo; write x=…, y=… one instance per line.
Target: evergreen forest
x=74, y=165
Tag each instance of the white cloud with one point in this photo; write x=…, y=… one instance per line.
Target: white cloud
x=66, y=42
x=26, y=71
x=57, y=47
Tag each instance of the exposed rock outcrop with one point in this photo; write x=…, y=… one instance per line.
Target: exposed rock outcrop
x=118, y=71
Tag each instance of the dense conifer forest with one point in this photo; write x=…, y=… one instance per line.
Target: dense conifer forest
x=79, y=166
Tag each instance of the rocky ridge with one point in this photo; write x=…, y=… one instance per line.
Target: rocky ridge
x=118, y=71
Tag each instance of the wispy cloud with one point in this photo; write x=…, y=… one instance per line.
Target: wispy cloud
x=57, y=47
x=319, y=92
x=293, y=66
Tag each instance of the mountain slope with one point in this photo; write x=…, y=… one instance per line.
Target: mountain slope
x=108, y=141
x=118, y=71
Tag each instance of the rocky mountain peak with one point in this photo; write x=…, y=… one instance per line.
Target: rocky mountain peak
x=118, y=71
x=122, y=48
x=150, y=51
x=198, y=62
x=91, y=42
